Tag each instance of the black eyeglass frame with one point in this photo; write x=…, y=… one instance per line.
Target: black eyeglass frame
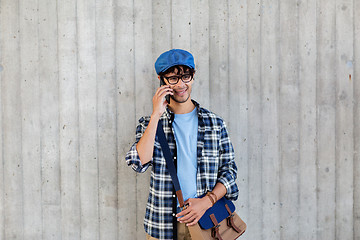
x=180, y=77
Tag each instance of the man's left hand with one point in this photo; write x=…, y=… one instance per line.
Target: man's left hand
x=196, y=208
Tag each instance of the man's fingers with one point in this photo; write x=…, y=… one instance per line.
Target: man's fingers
x=165, y=91
x=162, y=88
x=187, y=218
x=193, y=222
x=183, y=213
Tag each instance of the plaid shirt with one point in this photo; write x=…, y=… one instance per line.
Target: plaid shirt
x=215, y=163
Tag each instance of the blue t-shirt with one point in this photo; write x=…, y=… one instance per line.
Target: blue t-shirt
x=185, y=129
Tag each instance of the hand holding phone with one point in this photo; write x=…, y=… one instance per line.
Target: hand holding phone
x=159, y=105
x=167, y=97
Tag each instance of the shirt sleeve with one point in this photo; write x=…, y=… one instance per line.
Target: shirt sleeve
x=132, y=157
x=227, y=168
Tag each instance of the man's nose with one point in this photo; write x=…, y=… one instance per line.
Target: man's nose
x=180, y=83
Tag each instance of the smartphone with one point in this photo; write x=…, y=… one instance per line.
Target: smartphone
x=167, y=97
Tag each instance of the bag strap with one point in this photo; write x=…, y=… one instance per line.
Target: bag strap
x=230, y=220
x=169, y=162
x=215, y=230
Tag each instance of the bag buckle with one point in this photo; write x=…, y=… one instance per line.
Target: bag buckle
x=215, y=231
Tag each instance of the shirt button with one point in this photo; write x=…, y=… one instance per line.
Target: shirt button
x=173, y=214
x=175, y=157
x=174, y=196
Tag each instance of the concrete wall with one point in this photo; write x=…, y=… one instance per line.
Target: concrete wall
x=76, y=76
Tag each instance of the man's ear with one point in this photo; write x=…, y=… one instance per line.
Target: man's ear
x=159, y=77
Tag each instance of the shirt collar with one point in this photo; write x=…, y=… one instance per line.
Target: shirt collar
x=170, y=115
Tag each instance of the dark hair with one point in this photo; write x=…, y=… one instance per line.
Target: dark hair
x=178, y=70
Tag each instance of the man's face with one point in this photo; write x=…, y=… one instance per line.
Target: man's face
x=182, y=90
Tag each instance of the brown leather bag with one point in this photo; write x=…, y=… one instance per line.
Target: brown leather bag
x=229, y=228
x=221, y=232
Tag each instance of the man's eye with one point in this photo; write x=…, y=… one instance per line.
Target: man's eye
x=173, y=79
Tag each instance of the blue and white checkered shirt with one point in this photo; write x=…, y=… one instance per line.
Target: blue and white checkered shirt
x=215, y=156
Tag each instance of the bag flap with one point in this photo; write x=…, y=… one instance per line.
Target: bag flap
x=220, y=212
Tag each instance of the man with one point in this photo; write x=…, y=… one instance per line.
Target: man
x=200, y=146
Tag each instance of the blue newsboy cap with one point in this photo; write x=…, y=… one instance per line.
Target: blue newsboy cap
x=172, y=58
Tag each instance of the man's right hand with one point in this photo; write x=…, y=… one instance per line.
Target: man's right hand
x=159, y=102
x=145, y=146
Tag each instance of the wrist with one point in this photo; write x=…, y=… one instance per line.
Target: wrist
x=212, y=199
x=208, y=201
x=213, y=196
x=155, y=117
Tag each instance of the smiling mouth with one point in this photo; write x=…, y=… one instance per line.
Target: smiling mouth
x=181, y=96
x=181, y=92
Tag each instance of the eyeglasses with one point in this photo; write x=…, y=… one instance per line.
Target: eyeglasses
x=175, y=79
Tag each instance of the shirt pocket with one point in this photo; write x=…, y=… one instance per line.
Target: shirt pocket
x=208, y=168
